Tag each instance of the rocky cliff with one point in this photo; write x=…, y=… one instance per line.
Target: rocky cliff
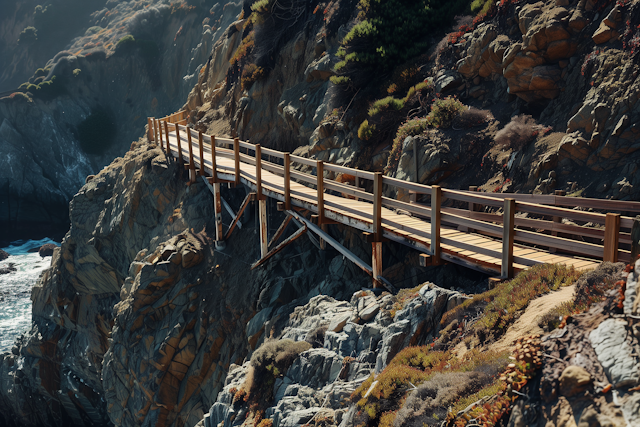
x=139, y=317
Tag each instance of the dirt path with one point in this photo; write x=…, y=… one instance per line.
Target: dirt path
x=527, y=324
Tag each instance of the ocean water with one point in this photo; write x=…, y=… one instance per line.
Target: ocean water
x=15, y=288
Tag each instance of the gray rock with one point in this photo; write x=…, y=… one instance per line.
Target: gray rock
x=614, y=352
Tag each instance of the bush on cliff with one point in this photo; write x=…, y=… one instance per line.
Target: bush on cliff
x=269, y=362
x=389, y=32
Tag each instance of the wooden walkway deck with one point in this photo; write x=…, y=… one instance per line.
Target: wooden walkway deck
x=501, y=243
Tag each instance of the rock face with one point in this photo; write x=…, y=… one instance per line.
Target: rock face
x=44, y=158
x=320, y=380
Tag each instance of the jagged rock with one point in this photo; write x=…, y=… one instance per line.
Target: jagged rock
x=3, y=255
x=603, y=34
x=575, y=147
x=573, y=380
x=46, y=250
x=614, y=353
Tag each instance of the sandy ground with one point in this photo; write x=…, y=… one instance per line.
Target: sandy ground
x=527, y=323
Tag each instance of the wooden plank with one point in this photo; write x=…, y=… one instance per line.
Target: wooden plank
x=582, y=248
x=413, y=208
x=357, y=173
x=611, y=232
x=303, y=160
x=407, y=185
x=566, y=213
x=506, y=270
x=236, y=158
x=320, y=190
x=377, y=207
x=635, y=239
x=347, y=189
x=436, y=201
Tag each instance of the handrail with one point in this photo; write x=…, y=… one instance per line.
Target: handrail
x=499, y=225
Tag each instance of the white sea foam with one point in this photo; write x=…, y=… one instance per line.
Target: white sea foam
x=15, y=288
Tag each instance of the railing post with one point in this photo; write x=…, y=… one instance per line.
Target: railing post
x=166, y=133
x=156, y=133
x=214, y=167
x=436, y=202
x=236, y=158
x=201, y=147
x=192, y=164
x=180, y=159
x=556, y=219
x=357, y=184
x=611, y=237
x=508, y=234
x=217, y=207
x=149, y=136
x=287, y=181
x=320, y=187
x=377, y=207
x=259, y=171
x=472, y=206
x=376, y=244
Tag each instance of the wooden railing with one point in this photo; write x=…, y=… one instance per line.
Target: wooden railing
x=534, y=220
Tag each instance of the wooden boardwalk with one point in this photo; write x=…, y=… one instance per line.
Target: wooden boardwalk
x=499, y=243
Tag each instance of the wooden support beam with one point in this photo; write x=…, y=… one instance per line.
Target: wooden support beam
x=611, y=237
x=436, y=202
x=280, y=230
x=166, y=133
x=316, y=220
x=217, y=208
x=357, y=185
x=259, y=172
x=508, y=233
x=376, y=262
x=249, y=197
x=236, y=158
x=214, y=166
x=264, y=238
x=281, y=246
x=201, y=149
x=323, y=244
x=344, y=251
x=287, y=181
x=320, y=187
x=180, y=159
x=377, y=206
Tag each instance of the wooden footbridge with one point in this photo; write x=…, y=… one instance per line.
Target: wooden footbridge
x=517, y=231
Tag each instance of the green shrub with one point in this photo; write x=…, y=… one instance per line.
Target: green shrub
x=28, y=35
x=97, y=132
x=48, y=90
x=389, y=32
x=93, y=30
x=76, y=72
x=365, y=131
x=125, y=42
x=388, y=103
x=340, y=80
x=40, y=72
x=244, y=50
x=443, y=111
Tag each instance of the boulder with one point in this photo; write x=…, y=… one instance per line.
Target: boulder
x=46, y=250
x=603, y=34
x=574, y=380
x=3, y=255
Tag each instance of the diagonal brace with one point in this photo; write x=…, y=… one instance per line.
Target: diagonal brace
x=281, y=246
x=250, y=197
